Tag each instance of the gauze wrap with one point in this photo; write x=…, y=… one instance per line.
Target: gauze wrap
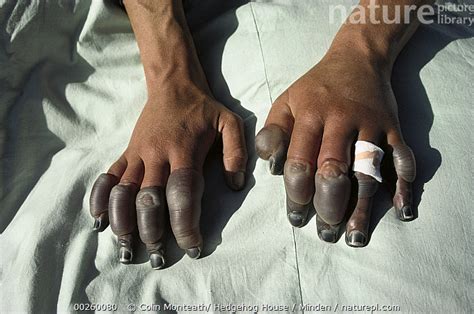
x=367, y=159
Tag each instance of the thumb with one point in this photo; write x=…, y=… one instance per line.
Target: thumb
x=234, y=151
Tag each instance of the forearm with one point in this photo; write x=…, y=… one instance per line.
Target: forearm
x=166, y=46
x=378, y=39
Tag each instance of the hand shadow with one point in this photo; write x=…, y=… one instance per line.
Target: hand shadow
x=219, y=202
x=43, y=60
x=415, y=113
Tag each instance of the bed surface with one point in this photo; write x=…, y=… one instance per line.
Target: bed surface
x=71, y=89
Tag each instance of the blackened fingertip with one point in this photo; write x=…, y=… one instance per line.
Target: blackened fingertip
x=296, y=219
x=276, y=165
x=157, y=261
x=327, y=233
x=125, y=255
x=329, y=236
x=194, y=252
x=356, y=239
x=239, y=179
x=235, y=180
x=100, y=223
x=271, y=164
x=97, y=224
x=406, y=213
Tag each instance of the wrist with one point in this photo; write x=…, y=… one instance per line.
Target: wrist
x=178, y=89
x=171, y=53
x=166, y=46
x=174, y=72
x=371, y=31
x=360, y=44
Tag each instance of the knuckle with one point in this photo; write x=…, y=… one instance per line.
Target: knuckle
x=332, y=191
x=179, y=200
x=237, y=119
x=370, y=131
x=152, y=151
x=332, y=168
x=297, y=169
x=238, y=156
x=150, y=197
x=404, y=162
x=306, y=121
x=234, y=121
x=184, y=233
x=155, y=247
x=123, y=190
x=184, y=190
x=150, y=214
x=367, y=186
x=281, y=100
x=116, y=167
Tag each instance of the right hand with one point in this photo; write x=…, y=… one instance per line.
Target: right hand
x=310, y=133
x=161, y=170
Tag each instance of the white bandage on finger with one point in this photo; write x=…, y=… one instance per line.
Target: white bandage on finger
x=367, y=159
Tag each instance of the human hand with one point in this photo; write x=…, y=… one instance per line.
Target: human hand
x=310, y=132
x=160, y=172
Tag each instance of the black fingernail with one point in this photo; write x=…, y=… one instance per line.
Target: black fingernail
x=271, y=163
x=356, y=239
x=125, y=255
x=296, y=219
x=238, y=180
x=157, y=261
x=100, y=223
x=235, y=180
x=406, y=213
x=194, y=252
x=276, y=168
x=328, y=236
x=97, y=225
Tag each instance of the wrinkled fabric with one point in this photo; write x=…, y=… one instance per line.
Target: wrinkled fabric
x=72, y=87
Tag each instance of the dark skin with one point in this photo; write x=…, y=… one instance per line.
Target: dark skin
x=308, y=135
x=178, y=125
x=313, y=125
